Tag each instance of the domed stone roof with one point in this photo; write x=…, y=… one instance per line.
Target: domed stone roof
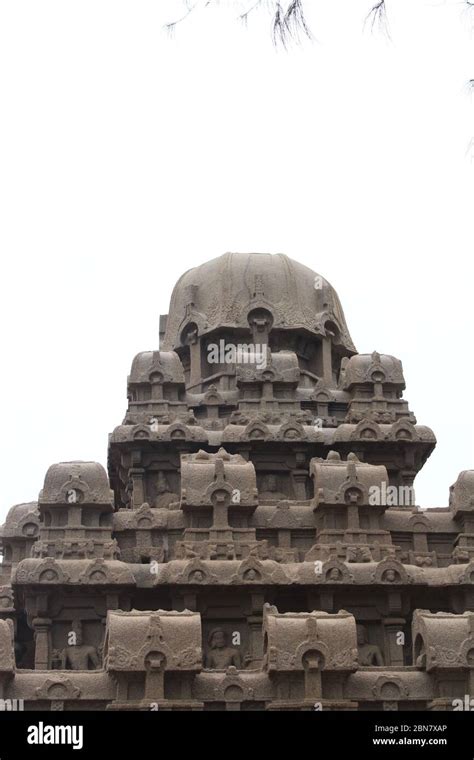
x=372, y=368
x=222, y=292
x=68, y=482
x=19, y=516
x=160, y=364
x=462, y=493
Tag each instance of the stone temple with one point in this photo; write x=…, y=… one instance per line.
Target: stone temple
x=255, y=544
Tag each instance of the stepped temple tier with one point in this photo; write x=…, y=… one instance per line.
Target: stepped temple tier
x=256, y=543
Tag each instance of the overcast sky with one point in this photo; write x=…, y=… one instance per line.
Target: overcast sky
x=127, y=157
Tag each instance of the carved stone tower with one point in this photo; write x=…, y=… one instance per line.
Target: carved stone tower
x=256, y=544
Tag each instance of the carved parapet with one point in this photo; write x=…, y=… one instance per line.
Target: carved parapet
x=45, y=571
x=51, y=572
x=345, y=482
x=196, y=572
x=258, y=430
x=207, y=477
x=369, y=430
x=233, y=687
x=58, y=688
x=141, y=641
x=443, y=641
x=82, y=548
x=309, y=640
x=158, y=431
x=391, y=572
x=293, y=431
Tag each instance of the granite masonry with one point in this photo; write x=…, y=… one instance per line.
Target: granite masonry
x=256, y=543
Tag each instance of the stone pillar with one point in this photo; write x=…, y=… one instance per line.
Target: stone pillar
x=156, y=390
x=255, y=639
x=312, y=678
x=220, y=530
x=220, y=514
x=353, y=518
x=74, y=518
x=155, y=679
x=267, y=390
x=255, y=621
x=136, y=474
x=284, y=538
x=299, y=481
x=195, y=375
x=42, y=629
x=393, y=650
x=327, y=360
x=420, y=542
x=144, y=542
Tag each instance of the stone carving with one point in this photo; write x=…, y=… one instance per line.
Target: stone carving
x=369, y=654
x=443, y=641
x=55, y=689
x=80, y=656
x=233, y=485
x=172, y=640
x=391, y=571
x=165, y=497
x=390, y=688
x=309, y=641
x=269, y=489
x=220, y=655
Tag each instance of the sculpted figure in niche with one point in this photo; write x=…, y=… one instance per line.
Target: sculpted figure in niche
x=165, y=497
x=128, y=498
x=369, y=654
x=270, y=490
x=219, y=656
x=251, y=575
x=80, y=656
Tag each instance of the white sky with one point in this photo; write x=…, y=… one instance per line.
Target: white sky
x=127, y=157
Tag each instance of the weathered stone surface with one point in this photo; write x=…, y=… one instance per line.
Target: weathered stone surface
x=256, y=543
